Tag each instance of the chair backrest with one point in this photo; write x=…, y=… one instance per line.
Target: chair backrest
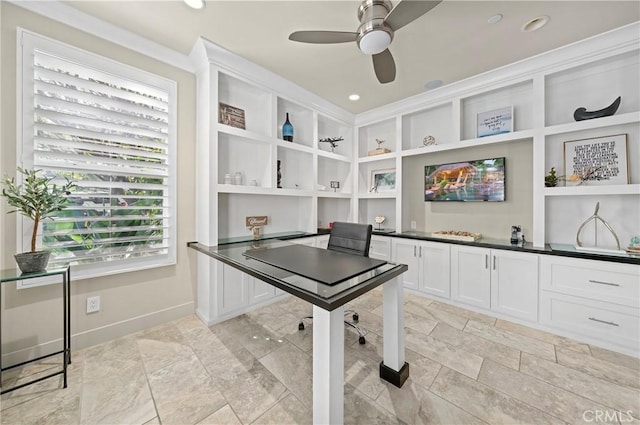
x=352, y=238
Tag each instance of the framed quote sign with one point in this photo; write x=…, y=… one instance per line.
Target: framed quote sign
x=597, y=161
x=494, y=122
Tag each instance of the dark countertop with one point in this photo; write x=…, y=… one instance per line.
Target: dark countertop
x=562, y=250
x=324, y=296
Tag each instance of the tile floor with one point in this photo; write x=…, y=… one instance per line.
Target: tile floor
x=466, y=368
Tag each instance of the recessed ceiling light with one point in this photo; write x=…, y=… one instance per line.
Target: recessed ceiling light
x=354, y=97
x=430, y=85
x=196, y=4
x=495, y=19
x=535, y=24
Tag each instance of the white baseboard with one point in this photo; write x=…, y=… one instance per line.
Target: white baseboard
x=102, y=334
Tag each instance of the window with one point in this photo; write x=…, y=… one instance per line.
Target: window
x=111, y=129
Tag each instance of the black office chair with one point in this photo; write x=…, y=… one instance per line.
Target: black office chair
x=350, y=238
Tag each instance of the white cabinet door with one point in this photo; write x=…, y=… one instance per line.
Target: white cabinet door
x=380, y=248
x=435, y=269
x=470, y=275
x=259, y=291
x=406, y=252
x=232, y=289
x=514, y=284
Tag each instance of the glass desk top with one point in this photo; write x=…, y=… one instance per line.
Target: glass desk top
x=325, y=296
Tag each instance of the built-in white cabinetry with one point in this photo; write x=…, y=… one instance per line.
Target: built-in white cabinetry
x=596, y=300
x=593, y=84
x=544, y=92
x=380, y=247
x=233, y=289
x=260, y=291
x=514, y=284
x=248, y=169
x=428, y=265
x=471, y=275
x=499, y=280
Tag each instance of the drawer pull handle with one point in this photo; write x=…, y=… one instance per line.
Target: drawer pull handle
x=603, y=321
x=603, y=283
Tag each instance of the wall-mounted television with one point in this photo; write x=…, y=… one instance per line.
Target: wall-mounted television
x=477, y=180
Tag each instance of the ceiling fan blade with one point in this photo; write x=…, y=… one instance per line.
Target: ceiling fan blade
x=408, y=11
x=323, y=37
x=384, y=66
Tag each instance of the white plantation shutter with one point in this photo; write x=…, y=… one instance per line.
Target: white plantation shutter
x=111, y=129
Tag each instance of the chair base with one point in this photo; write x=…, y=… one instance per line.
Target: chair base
x=361, y=338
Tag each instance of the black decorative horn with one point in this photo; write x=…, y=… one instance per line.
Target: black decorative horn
x=581, y=114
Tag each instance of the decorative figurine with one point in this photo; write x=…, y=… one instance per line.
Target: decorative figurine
x=379, y=150
x=581, y=114
x=595, y=218
x=333, y=142
x=335, y=185
x=429, y=141
x=279, y=186
x=379, y=219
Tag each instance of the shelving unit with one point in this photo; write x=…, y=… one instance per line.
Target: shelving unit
x=255, y=151
x=544, y=91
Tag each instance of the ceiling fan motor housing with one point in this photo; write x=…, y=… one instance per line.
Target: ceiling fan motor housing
x=374, y=35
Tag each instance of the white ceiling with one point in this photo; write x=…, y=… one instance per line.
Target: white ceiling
x=451, y=42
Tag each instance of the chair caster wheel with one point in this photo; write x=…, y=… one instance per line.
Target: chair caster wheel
x=361, y=340
x=356, y=317
x=300, y=326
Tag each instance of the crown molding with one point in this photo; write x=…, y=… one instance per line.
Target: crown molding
x=74, y=18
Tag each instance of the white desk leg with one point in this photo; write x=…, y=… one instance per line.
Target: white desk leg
x=328, y=366
x=393, y=369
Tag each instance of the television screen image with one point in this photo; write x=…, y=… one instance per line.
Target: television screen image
x=478, y=180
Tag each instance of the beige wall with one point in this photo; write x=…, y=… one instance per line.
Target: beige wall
x=130, y=301
x=492, y=219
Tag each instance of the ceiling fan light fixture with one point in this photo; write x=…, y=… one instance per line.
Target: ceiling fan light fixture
x=374, y=42
x=196, y=4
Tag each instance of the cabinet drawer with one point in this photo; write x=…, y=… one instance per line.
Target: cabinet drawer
x=599, y=280
x=610, y=323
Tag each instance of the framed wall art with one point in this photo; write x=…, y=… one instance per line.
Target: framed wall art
x=383, y=180
x=597, y=161
x=230, y=115
x=494, y=122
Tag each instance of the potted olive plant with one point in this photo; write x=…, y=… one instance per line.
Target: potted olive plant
x=38, y=199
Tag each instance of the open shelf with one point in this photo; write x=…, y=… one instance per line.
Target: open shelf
x=253, y=100
x=300, y=117
x=367, y=135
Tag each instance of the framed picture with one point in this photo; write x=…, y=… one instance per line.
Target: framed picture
x=383, y=180
x=230, y=115
x=597, y=161
x=494, y=122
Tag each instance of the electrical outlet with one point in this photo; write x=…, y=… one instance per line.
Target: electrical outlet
x=413, y=225
x=93, y=304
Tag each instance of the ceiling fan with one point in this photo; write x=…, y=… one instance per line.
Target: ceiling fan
x=378, y=22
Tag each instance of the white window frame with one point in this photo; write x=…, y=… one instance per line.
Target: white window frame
x=27, y=41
